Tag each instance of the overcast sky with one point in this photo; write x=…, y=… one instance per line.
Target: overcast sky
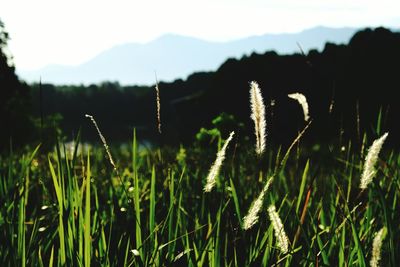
x=70, y=32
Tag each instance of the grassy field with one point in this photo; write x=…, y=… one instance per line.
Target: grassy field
x=71, y=208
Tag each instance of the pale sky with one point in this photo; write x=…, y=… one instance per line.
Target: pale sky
x=70, y=32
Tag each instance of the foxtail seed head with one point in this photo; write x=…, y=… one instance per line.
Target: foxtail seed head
x=258, y=116
x=303, y=103
x=252, y=216
x=103, y=140
x=281, y=237
x=214, y=170
x=376, y=247
x=370, y=161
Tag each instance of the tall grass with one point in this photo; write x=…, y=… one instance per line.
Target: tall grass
x=59, y=209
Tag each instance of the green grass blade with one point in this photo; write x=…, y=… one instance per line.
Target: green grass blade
x=87, y=215
x=51, y=259
x=236, y=202
x=21, y=228
x=302, y=186
x=152, y=204
x=59, y=195
x=136, y=198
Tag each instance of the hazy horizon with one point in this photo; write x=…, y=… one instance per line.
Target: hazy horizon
x=46, y=32
x=177, y=57
x=172, y=34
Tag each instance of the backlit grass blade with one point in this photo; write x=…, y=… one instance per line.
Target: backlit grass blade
x=236, y=202
x=21, y=227
x=136, y=198
x=87, y=214
x=302, y=186
x=51, y=259
x=59, y=195
x=152, y=204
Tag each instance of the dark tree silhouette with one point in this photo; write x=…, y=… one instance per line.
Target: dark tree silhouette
x=15, y=124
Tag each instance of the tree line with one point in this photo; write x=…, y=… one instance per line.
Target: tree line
x=351, y=89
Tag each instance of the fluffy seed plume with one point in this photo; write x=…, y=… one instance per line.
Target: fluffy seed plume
x=303, y=102
x=103, y=140
x=252, y=216
x=214, y=170
x=283, y=241
x=158, y=107
x=370, y=160
x=376, y=248
x=258, y=116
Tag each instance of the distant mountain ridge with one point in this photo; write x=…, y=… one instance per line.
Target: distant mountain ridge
x=174, y=57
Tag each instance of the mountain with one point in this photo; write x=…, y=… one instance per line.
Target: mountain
x=175, y=57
